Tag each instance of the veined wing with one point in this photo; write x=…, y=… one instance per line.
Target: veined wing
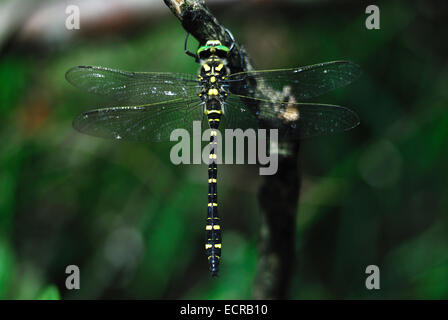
x=134, y=88
x=293, y=120
x=145, y=123
x=318, y=119
x=302, y=83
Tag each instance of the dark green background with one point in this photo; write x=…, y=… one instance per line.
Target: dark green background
x=134, y=223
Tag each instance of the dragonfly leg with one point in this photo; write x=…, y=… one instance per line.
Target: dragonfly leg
x=188, y=52
x=231, y=37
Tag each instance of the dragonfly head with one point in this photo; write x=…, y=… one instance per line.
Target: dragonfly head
x=213, y=48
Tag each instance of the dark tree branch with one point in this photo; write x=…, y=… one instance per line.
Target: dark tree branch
x=278, y=195
x=197, y=20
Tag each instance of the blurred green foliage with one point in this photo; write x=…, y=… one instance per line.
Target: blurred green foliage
x=133, y=222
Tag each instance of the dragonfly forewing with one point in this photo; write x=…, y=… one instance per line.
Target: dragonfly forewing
x=134, y=88
x=302, y=83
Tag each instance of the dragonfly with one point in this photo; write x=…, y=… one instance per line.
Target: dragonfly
x=153, y=104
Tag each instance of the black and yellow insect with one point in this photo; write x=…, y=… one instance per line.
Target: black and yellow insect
x=158, y=103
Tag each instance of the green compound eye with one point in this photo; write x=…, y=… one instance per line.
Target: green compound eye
x=220, y=50
x=202, y=49
x=223, y=48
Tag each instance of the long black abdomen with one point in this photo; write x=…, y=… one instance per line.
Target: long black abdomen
x=213, y=227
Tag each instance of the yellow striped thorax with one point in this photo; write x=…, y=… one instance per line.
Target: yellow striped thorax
x=213, y=59
x=212, y=74
x=212, y=70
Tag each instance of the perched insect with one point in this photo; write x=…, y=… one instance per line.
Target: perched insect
x=158, y=103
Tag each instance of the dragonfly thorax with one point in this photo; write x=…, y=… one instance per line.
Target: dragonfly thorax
x=212, y=74
x=213, y=71
x=213, y=66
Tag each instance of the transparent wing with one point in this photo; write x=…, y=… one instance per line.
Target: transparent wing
x=134, y=88
x=293, y=120
x=237, y=115
x=317, y=120
x=301, y=83
x=147, y=123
